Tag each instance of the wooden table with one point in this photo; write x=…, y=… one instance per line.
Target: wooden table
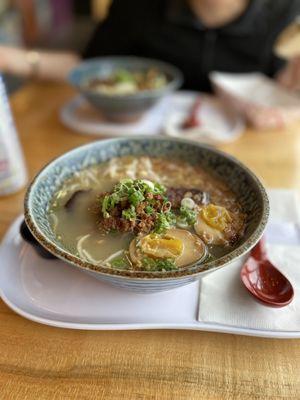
x=40, y=362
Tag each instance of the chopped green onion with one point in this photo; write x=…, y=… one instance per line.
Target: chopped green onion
x=187, y=215
x=149, y=210
x=159, y=188
x=120, y=263
x=129, y=213
x=151, y=264
x=164, y=221
x=136, y=197
x=122, y=75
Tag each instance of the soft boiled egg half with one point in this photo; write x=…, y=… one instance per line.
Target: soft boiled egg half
x=213, y=223
x=179, y=245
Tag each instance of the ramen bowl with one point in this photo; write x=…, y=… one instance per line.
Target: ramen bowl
x=246, y=186
x=125, y=107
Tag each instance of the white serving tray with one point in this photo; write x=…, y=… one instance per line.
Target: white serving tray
x=57, y=294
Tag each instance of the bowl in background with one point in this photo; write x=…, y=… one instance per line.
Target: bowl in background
x=129, y=107
x=250, y=193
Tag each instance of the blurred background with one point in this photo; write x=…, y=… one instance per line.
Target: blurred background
x=255, y=44
x=48, y=24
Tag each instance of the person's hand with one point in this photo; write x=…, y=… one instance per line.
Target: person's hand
x=289, y=76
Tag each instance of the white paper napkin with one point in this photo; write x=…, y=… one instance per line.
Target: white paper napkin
x=224, y=299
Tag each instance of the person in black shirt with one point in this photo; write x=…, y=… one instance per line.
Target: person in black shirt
x=181, y=33
x=198, y=36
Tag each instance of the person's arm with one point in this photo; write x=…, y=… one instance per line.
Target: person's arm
x=41, y=64
x=117, y=35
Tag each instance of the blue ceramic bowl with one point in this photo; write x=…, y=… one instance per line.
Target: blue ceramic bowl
x=250, y=193
x=123, y=108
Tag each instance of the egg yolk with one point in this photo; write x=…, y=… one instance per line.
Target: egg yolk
x=216, y=216
x=161, y=246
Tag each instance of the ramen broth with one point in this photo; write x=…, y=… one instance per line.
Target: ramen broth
x=77, y=218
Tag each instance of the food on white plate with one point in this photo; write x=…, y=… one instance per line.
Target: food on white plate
x=146, y=214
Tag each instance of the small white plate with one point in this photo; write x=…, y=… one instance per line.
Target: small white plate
x=218, y=124
x=81, y=117
x=57, y=294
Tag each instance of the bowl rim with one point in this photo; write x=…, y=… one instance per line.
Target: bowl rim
x=176, y=81
x=192, y=270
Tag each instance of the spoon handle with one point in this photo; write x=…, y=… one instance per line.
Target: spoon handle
x=193, y=119
x=259, y=251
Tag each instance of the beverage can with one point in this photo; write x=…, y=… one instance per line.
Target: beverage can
x=13, y=175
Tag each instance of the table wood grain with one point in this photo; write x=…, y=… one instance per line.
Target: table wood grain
x=41, y=362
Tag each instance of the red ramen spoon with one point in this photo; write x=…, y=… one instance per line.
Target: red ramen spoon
x=264, y=281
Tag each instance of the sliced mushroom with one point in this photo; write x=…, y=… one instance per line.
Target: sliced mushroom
x=177, y=244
